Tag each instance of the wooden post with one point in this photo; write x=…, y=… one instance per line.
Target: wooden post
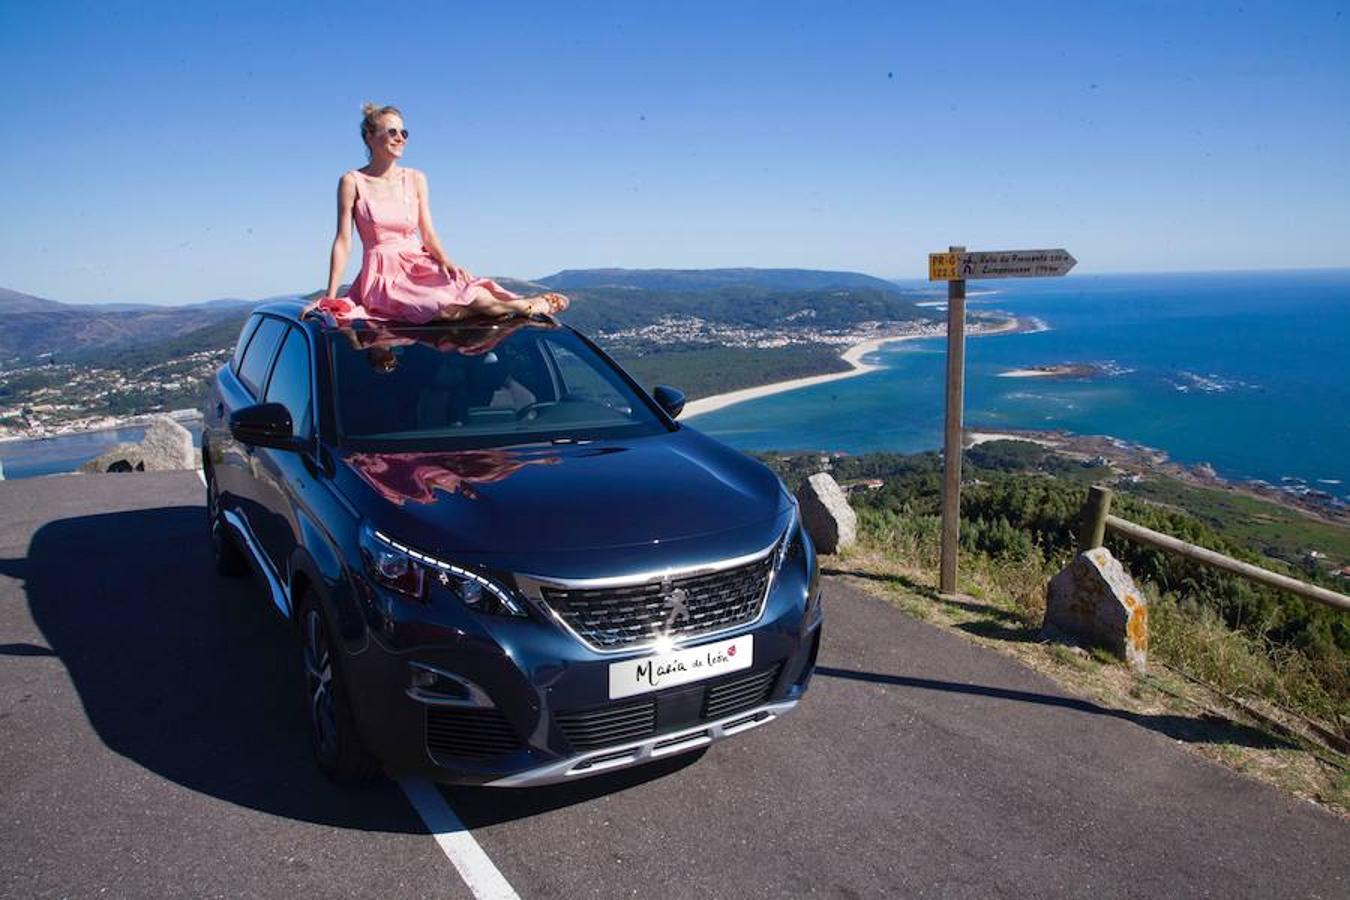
x=1098, y=507
x=951, y=452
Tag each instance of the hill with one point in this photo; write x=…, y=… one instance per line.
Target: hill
x=608, y=309
x=15, y=302
x=712, y=279
x=37, y=328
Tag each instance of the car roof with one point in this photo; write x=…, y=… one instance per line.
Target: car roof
x=287, y=309
x=290, y=309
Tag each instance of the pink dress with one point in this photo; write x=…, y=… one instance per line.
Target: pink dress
x=399, y=279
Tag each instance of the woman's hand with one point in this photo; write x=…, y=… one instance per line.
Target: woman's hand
x=454, y=272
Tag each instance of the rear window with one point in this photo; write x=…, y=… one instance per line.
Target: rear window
x=258, y=356
x=247, y=332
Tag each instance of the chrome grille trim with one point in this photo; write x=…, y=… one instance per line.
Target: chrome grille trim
x=641, y=578
x=535, y=586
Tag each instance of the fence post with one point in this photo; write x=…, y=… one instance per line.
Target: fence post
x=1095, y=511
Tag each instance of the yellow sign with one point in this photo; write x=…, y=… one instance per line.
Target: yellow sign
x=943, y=266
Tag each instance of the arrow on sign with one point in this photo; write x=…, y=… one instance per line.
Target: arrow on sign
x=999, y=264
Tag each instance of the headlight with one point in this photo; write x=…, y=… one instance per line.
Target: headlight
x=391, y=564
x=405, y=570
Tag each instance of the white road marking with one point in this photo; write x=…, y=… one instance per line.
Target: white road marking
x=483, y=878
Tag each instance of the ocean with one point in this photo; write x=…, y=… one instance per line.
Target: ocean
x=1246, y=371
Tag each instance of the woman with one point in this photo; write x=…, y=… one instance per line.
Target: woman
x=402, y=277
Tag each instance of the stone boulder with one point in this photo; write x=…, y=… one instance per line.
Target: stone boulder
x=1093, y=599
x=166, y=446
x=826, y=514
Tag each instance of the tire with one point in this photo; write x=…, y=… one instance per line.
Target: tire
x=333, y=737
x=229, y=559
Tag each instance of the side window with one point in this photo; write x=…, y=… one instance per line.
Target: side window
x=290, y=382
x=244, y=334
x=581, y=381
x=258, y=356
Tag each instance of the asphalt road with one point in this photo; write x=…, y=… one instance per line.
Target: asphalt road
x=153, y=747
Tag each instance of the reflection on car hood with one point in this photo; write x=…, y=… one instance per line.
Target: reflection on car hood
x=540, y=499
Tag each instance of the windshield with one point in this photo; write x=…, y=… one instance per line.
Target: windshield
x=452, y=387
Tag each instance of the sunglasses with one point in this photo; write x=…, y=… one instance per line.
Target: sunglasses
x=397, y=132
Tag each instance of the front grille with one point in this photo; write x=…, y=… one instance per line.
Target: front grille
x=730, y=697
x=477, y=733
x=614, y=618
x=610, y=725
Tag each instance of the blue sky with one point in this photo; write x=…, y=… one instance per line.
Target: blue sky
x=184, y=152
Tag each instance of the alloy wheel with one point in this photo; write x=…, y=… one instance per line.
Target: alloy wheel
x=319, y=686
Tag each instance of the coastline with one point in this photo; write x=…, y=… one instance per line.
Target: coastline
x=105, y=423
x=1135, y=461
x=853, y=356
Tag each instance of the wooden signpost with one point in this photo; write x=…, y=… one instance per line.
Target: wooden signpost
x=954, y=267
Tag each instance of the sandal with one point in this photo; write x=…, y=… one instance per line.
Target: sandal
x=554, y=303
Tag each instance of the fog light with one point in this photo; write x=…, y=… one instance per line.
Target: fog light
x=431, y=685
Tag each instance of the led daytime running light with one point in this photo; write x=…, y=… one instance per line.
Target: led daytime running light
x=464, y=574
x=789, y=535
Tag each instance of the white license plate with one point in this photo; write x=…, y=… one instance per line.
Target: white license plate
x=676, y=667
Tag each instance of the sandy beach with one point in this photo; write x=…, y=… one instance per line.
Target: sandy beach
x=853, y=356
x=975, y=438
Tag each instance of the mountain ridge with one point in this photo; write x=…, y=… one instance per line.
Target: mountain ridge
x=705, y=279
x=603, y=300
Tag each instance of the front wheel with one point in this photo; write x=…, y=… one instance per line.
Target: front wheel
x=229, y=559
x=332, y=728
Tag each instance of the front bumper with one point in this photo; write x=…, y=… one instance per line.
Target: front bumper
x=534, y=706
x=639, y=752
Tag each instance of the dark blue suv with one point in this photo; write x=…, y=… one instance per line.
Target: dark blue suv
x=504, y=562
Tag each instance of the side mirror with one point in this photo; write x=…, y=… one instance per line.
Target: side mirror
x=264, y=425
x=669, y=399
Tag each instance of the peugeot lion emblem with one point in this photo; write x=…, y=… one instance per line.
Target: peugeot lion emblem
x=677, y=602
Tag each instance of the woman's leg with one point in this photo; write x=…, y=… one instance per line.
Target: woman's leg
x=484, y=303
x=485, y=306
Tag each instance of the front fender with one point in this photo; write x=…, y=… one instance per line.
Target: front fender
x=315, y=563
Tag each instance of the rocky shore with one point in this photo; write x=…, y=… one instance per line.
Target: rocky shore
x=1137, y=461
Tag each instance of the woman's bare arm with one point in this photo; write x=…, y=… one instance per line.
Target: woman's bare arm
x=342, y=241
x=428, y=229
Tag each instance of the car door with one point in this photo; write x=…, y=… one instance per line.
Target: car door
x=283, y=478
x=237, y=461
x=225, y=456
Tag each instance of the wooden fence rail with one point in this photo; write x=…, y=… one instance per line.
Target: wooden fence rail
x=1097, y=519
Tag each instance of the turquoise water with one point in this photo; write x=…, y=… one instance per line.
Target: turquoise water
x=1248, y=371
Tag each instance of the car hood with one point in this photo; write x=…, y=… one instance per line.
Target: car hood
x=546, y=499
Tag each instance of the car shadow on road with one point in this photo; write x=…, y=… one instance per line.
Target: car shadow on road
x=187, y=673
x=1205, y=729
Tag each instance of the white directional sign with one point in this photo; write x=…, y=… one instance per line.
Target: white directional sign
x=999, y=264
